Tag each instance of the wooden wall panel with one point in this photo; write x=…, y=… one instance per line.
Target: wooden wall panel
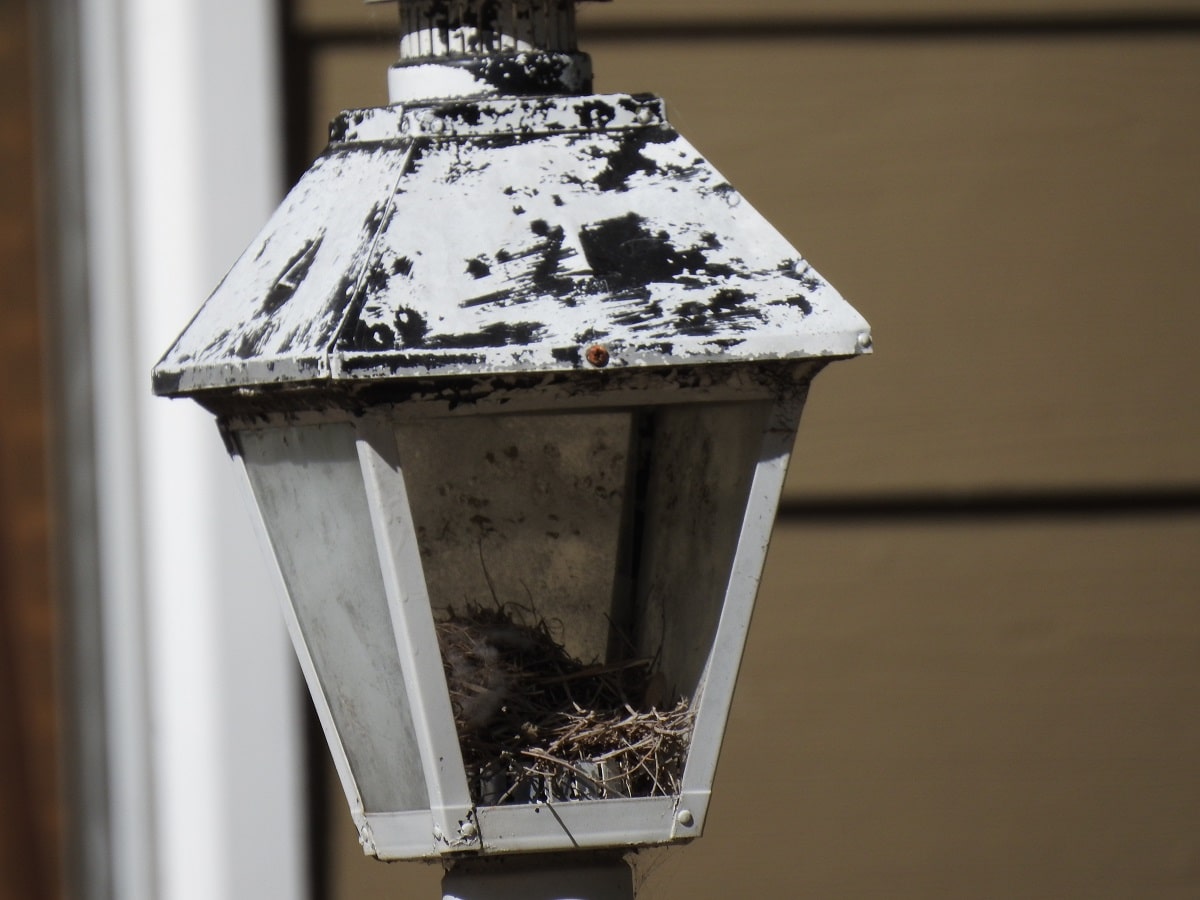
x=999, y=711
x=1017, y=222
x=996, y=711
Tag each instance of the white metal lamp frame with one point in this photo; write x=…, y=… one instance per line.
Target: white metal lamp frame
x=451, y=822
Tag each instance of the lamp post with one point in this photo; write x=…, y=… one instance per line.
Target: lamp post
x=514, y=375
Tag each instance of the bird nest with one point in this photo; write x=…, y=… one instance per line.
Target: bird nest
x=537, y=725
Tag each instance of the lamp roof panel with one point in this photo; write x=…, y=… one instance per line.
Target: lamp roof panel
x=508, y=236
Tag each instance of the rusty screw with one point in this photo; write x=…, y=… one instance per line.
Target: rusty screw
x=597, y=355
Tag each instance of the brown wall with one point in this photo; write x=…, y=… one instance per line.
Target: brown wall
x=30, y=815
x=976, y=666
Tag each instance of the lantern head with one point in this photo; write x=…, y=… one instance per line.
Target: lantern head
x=514, y=375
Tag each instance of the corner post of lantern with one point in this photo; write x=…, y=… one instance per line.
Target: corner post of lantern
x=415, y=631
x=513, y=376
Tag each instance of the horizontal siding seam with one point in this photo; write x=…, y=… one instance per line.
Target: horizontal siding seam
x=776, y=28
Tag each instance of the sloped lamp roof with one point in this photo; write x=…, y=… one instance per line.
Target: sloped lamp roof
x=507, y=236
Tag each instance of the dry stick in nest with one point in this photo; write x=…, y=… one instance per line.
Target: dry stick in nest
x=530, y=715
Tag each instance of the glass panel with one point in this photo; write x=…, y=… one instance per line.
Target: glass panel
x=577, y=564
x=525, y=513
x=522, y=523
x=309, y=488
x=697, y=484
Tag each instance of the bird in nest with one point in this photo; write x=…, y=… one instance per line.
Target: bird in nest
x=483, y=654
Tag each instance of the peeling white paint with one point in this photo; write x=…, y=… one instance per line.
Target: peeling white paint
x=508, y=235
x=433, y=80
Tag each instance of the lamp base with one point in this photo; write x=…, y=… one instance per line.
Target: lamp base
x=566, y=876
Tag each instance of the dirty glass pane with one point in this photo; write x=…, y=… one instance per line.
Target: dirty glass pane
x=309, y=488
x=576, y=564
x=697, y=482
x=525, y=513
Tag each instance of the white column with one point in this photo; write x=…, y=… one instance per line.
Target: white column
x=182, y=139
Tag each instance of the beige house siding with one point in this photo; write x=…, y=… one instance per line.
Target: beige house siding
x=976, y=666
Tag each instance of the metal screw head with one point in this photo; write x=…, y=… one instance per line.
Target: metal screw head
x=645, y=115
x=864, y=341
x=685, y=818
x=597, y=355
x=366, y=840
x=468, y=830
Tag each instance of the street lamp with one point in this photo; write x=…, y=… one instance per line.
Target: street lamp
x=514, y=375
